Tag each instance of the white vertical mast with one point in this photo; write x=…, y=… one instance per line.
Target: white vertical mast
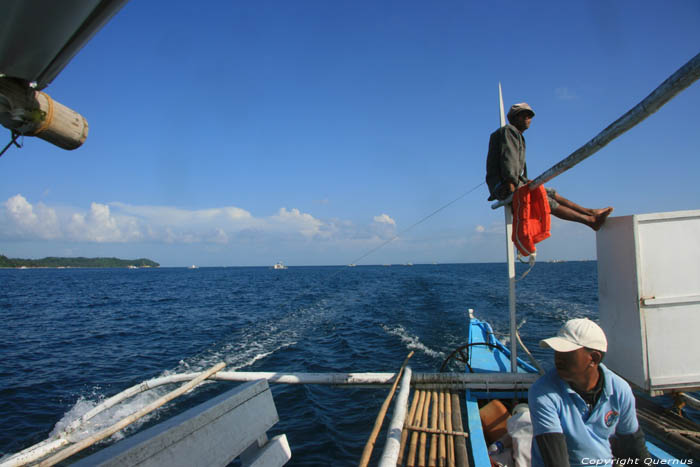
x=511, y=262
x=500, y=102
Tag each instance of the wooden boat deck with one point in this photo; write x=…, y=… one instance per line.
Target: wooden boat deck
x=433, y=434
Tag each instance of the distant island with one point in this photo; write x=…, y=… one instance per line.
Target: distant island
x=55, y=262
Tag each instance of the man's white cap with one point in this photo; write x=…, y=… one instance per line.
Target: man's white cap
x=577, y=333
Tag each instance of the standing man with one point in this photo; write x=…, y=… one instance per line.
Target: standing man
x=580, y=407
x=506, y=170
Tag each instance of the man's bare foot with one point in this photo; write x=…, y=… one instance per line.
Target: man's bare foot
x=600, y=216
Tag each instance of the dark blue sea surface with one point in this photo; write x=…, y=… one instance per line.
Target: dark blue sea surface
x=71, y=337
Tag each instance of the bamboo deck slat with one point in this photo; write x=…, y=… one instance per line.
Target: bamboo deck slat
x=432, y=458
x=448, y=427
x=409, y=421
x=432, y=434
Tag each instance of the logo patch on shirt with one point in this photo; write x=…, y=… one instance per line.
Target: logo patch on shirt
x=611, y=417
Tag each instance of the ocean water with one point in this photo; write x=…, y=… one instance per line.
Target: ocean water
x=70, y=338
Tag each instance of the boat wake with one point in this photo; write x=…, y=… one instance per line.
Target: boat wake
x=241, y=349
x=106, y=418
x=412, y=342
x=260, y=339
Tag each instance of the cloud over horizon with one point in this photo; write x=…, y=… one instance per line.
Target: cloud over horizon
x=125, y=223
x=233, y=235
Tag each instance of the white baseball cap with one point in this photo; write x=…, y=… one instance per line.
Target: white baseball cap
x=577, y=333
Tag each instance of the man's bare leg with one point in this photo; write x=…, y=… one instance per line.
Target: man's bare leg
x=570, y=211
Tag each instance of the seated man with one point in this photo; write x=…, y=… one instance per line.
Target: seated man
x=506, y=170
x=580, y=407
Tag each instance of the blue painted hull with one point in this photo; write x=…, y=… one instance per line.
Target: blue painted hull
x=488, y=355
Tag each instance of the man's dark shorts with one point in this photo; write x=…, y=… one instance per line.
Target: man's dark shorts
x=502, y=193
x=553, y=204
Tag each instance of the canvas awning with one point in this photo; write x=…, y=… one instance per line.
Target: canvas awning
x=38, y=38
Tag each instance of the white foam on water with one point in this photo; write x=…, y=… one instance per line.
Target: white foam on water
x=412, y=342
x=81, y=407
x=257, y=357
x=108, y=417
x=260, y=340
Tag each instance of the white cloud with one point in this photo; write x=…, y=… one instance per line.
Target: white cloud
x=99, y=226
x=384, y=219
x=167, y=215
x=125, y=223
x=383, y=227
x=495, y=228
x=25, y=220
x=232, y=235
x=297, y=221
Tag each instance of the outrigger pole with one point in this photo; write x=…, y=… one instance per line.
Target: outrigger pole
x=424, y=381
x=677, y=82
x=681, y=79
x=674, y=84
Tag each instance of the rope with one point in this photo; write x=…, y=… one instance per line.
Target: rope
x=417, y=223
x=532, y=358
x=531, y=260
x=534, y=361
x=466, y=347
x=46, y=118
x=13, y=135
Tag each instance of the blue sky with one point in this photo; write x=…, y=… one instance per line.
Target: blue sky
x=313, y=131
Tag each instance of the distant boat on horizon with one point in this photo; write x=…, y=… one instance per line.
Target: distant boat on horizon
x=279, y=265
x=193, y=267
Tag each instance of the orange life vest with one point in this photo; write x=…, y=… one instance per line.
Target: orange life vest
x=531, y=222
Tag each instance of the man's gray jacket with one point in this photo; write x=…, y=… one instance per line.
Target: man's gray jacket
x=505, y=162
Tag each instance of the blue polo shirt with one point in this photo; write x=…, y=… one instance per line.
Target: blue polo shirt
x=556, y=408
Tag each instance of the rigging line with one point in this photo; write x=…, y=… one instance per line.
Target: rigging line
x=14, y=135
x=417, y=223
x=425, y=218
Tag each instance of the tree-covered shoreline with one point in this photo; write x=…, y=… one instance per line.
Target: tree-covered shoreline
x=80, y=262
